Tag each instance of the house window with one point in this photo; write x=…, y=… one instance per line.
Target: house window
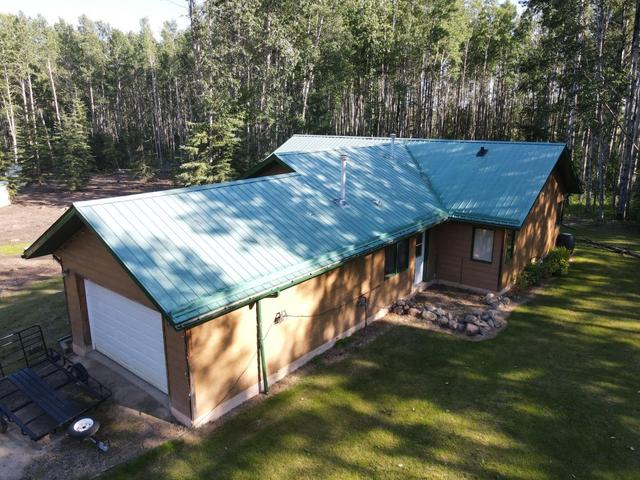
x=509, y=245
x=482, y=245
x=560, y=212
x=396, y=257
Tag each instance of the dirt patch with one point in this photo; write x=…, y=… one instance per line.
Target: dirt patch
x=37, y=207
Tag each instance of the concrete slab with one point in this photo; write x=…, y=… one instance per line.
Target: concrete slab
x=136, y=418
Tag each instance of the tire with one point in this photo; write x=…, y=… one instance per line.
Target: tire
x=83, y=427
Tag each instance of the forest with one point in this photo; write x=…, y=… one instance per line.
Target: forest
x=204, y=104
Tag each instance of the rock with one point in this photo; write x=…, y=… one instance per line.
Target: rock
x=468, y=318
x=401, y=303
x=450, y=316
x=414, y=312
x=472, y=329
x=485, y=331
x=482, y=325
x=427, y=315
x=491, y=323
x=453, y=325
x=431, y=308
x=498, y=323
x=406, y=308
x=461, y=327
x=493, y=313
x=440, y=312
x=398, y=310
x=489, y=297
x=443, y=321
x=506, y=300
x=476, y=311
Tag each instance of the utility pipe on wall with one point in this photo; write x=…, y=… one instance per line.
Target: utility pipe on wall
x=261, y=353
x=343, y=188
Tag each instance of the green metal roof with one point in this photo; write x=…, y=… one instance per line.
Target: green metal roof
x=201, y=251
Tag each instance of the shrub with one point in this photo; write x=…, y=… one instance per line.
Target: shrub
x=557, y=262
x=554, y=264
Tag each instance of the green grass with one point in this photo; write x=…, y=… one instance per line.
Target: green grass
x=555, y=396
x=618, y=234
x=40, y=303
x=13, y=249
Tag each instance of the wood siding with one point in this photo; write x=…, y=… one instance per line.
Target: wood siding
x=538, y=233
x=452, y=256
x=222, y=352
x=84, y=256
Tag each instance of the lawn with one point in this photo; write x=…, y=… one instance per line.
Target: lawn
x=42, y=303
x=556, y=395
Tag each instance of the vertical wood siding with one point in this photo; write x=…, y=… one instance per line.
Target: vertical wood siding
x=222, y=352
x=539, y=231
x=84, y=256
x=452, y=251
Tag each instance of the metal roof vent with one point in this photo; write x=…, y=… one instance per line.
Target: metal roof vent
x=342, y=201
x=482, y=152
x=392, y=146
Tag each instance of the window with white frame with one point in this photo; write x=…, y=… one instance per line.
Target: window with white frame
x=482, y=245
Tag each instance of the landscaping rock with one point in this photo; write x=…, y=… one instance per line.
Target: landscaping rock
x=427, y=315
x=472, y=329
x=406, y=308
x=461, y=327
x=443, y=321
x=482, y=324
x=506, y=300
x=468, y=318
x=431, y=308
x=398, y=310
x=489, y=297
x=414, y=312
x=401, y=303
x=476, y=311
x=453, y=325
x=440, y=312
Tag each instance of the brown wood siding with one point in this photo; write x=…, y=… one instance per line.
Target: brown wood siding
x=85, y=257
x=539, y=231
x=452, y=256
x=177, y=369
x=222, y=352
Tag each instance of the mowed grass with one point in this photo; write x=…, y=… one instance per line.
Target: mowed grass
x=555, y=396
x=41, y=303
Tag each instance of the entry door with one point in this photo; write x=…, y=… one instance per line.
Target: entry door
x=128, y=333
x=421, y=250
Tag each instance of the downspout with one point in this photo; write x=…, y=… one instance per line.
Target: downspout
x=261, y=353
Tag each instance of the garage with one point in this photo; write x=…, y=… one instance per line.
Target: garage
x=127, y=332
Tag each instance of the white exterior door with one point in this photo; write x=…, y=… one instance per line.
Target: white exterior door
x=420, y=249
x=127, y=332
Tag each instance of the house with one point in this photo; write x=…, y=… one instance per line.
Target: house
x=211, y=293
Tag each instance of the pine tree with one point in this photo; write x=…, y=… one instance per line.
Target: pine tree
x=209, y=151
x=71, y=141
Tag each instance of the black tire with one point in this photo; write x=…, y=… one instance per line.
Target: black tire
x=3, y=425
x=83, y=427
x=78, y=372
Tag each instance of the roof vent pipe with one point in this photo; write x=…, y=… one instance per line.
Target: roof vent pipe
x=343, y=189
x=393, y=144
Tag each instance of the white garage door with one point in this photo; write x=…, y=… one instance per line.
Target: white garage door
x=127, y=332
